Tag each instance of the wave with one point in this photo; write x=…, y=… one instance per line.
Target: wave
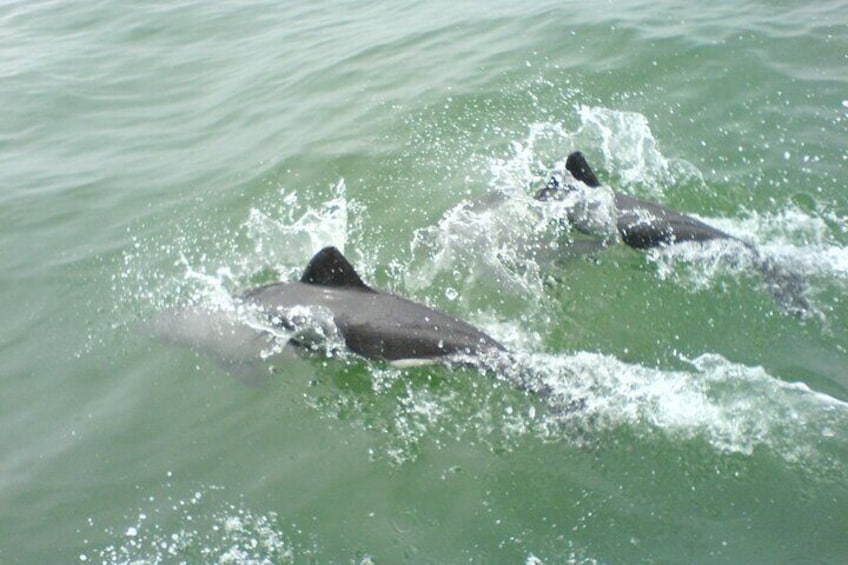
x=501, y=247
x=732, y=407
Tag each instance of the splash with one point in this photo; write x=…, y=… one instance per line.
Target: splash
x=627, y=146
x=792, y=236
x=281, y=235
x=194, y=529
x=509, y=238
x=200, y=306
x=483, y=243
x=631, y=151
x=290, y=232
x=501, y=244
x=508, y=231
x=207, y=264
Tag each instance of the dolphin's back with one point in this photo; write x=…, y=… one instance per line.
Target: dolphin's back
x=376, y=324
x=644, y=224
x=640, y=223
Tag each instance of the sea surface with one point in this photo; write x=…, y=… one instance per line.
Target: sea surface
x=161, y=155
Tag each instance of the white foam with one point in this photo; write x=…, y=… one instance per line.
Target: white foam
x=793, y=237
x=583, y=398
x=733, y=407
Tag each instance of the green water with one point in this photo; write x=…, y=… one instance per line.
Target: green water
x=153, y=155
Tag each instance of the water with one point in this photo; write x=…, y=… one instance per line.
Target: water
x=660, y=407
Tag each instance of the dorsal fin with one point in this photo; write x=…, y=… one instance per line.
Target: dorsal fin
x=330, y=268
x=580, y=169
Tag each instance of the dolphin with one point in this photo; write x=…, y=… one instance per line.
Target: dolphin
x=644, y=225
x=640, y=223
x=374, y=324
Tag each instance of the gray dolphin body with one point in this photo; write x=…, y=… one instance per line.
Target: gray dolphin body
x=374, y=324
x=640, y=223
x=643, y=225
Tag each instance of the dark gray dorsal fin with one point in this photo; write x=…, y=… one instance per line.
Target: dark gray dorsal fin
x=330, y=268
x=580, y=169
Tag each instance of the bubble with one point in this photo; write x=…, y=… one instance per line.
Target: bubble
x=220, y=533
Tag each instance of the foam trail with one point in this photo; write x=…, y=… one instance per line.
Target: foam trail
x=736, y=409
x=585, y=398
x=792, y=236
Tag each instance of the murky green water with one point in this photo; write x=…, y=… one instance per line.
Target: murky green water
x=157, y=154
